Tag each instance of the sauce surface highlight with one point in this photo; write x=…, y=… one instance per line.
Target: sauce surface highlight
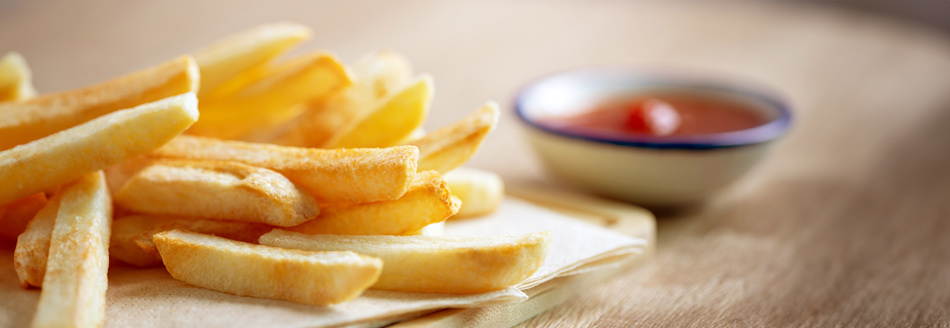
x=663, y=114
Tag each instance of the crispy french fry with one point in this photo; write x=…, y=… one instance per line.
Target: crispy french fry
x=32, y=247
x=331, y=176
x=436, y=264
x=217, y=189
x=451, y=146
x=15, y=216
x=480, y=191
x=230, y=56
x=393, y=121
x=427, y=201
x=74, y=286
x=132, y=235
x=272, y=98
x=376, y=76
x=25, y=121
x=318, y=278
x=67, y=155
x=435, y=229
x=16, y=79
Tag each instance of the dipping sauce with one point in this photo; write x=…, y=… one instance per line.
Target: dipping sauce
x=660, y=114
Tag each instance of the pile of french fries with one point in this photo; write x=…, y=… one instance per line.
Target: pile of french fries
x=298, y=179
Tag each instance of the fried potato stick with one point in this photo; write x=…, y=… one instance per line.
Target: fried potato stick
x=480, y=191
x=451, y=146
x=25, y=121
x=375, y=77
x=394, y=120
x=232, y=55
x=67, y=155
x=16, y=79
x=427, y=201
x=74, y=286
x=317, y=278
x=435, y=264
x=132, y=235
x=217, y=189
x=270, y=97
x=32, y=247
x=331, y=176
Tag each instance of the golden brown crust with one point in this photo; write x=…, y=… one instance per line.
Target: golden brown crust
x=435, y=264
x=32, y=245
x=67, y=155
x=132, y=242
x=22, y=122
x=318, y=278
x=217, y=189
x=427, y=201
x=331, y=176
x=451, y=146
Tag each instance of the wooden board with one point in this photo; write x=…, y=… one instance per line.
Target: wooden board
x=621, y=217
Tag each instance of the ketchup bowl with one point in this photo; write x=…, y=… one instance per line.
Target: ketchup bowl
x=650, y=139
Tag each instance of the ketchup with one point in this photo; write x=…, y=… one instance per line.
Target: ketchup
x=660, y=115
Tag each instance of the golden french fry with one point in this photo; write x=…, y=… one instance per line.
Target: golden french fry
x=318, y=278
x=376, y=76
x=435, y=229
x=25, y=121
x=217, y=189
x=229, y=57
x=67, y=155
x=15, y=216
x=393, y=121
x=480, y=191
x=32, y=247
x=117, y=175
x=16, y=79
x=132, y=235
x=427, y=201
x=74, y=287
x=331, y=176
x=435, y=264
x=451, y=146
x=272, y=98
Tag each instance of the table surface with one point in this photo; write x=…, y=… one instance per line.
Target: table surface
x=844, y=224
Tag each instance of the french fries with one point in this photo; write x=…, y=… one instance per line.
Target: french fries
x=199, y=205
x=338, y=176
x=132, y=235
x=67, y=155
x=447, y=148
x=427, y=201
x=217, y=189
x=269, y=100
x=32, y=247
x=394, y=120
x=74, y=286
x=16, y=79
x=376, y=76
x=15, y=216
x=230, y=56
x=435, y=264
x=480, y=191
x=318, y=278
x=25, y=121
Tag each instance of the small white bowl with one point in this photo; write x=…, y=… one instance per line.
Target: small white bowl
x=647, y=170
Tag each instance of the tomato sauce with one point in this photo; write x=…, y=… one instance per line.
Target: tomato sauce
x=659, y=115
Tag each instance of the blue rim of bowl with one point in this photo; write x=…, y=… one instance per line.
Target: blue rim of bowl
x=747, y=137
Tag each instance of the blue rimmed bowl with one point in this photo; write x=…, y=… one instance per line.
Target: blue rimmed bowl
x=644, y=169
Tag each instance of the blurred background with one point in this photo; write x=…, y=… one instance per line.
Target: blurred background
x=487, y=50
